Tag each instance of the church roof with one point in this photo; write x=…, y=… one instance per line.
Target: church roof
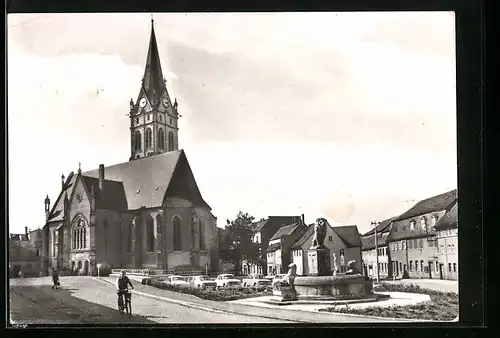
x=111, y=198
x=153, y=81
x=144, y=182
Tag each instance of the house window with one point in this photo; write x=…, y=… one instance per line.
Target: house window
x=411, y=265
x=410, y=244
x=421, y=265
x=412, y=225
x=437, y=267
x=148, y=138
x=416, y=265
x=160, y=118
x=161, y=138
x=441, y=248
x=423, y=223
x=150, y=235
x=454, y=267
x=449, y=267
x=421, y=243
x=137, y=140
x=401, y=266
x=341, y=252
x=170, y=121
x=177, y=233
x=404, y=245
x=330, y=238
x=434, y=220
x=149, y=117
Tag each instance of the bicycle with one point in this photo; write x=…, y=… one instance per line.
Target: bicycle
x=127, y=307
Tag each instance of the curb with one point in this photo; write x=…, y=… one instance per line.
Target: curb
x=199, y=307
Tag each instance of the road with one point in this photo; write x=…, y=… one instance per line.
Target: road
x=86, y=300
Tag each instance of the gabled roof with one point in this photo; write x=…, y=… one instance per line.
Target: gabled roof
x=449, y=220
x=298, y=244
x=349, y=235
x=111, y=198
x=257, y=226
x=401, y=228
x=285, y=231
x=273, y=247
x=384, y=226
x=153, y=82
x=275, y=220
x=368, y=242
x=432, y=204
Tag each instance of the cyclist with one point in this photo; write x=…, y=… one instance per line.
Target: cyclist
x=122, y=285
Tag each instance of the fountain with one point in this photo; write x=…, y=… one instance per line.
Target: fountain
x=320, y=284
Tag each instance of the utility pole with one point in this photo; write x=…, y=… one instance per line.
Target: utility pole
x=376, y=224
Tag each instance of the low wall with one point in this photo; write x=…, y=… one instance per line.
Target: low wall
x=330, y=287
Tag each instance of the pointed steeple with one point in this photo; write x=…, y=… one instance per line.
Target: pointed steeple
x=153, y=77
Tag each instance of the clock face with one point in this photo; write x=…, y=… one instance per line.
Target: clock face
x=142, y=102
x=165, y=103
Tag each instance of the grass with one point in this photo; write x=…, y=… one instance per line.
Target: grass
x=217, y=295
x=443, y=306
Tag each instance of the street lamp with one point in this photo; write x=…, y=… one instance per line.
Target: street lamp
x=376, y=224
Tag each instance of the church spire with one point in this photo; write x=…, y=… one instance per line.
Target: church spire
x=153, y=77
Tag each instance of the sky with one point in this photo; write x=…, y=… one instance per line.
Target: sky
x=347, y=116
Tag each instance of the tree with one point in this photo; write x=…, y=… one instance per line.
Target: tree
x=235, y=241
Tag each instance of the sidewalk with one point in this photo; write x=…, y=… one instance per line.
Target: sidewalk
x=298, y=316
x=432, y=284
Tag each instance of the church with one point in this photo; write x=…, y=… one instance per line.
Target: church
x=147, y=213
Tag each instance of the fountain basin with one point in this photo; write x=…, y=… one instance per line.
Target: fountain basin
x=339, y=287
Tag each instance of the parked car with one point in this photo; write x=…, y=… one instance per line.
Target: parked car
x=278, y=278
x=255, y=280
x=203, y=282
x=177, y=280
x=227, y=280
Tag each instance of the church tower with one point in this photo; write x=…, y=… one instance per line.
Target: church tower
x=153, y=116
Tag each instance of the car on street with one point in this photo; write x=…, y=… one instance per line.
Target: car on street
x=177, y=280
x=256, y=280
x=277, y=278
x=203, y=282
x=227, y=280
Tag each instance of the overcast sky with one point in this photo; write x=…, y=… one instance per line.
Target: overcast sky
x=338, y=115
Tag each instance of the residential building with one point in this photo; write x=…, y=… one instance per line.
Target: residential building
x=447, y=241
x=279, y=248
x=24, y=253
x=412, y=240
x=262, y=233
x=343, y=241
x=144, y=213
x=369, y=252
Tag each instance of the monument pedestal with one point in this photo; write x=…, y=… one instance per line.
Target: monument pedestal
x=319, y=262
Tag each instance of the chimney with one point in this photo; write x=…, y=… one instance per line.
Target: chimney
x=303, y=220
x=62, y=181
x=26, y=230
x=101, y=177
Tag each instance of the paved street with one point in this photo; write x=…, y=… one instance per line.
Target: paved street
x=87, y=300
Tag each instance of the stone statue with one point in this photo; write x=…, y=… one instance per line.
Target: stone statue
x=351, y=268
x=292, y=273
x=319, y=233
x=334, y=264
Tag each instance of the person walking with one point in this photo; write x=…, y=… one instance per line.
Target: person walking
x=55, y=279
x=21, y=274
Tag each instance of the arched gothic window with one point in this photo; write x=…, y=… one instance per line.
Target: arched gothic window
x=148, y=138
x=170, y=141
x=161, y=139
x=150, y=235
x=177, y=233
x=79, y=234
x=137, y=140
x=201, y=235
x=129, y=237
